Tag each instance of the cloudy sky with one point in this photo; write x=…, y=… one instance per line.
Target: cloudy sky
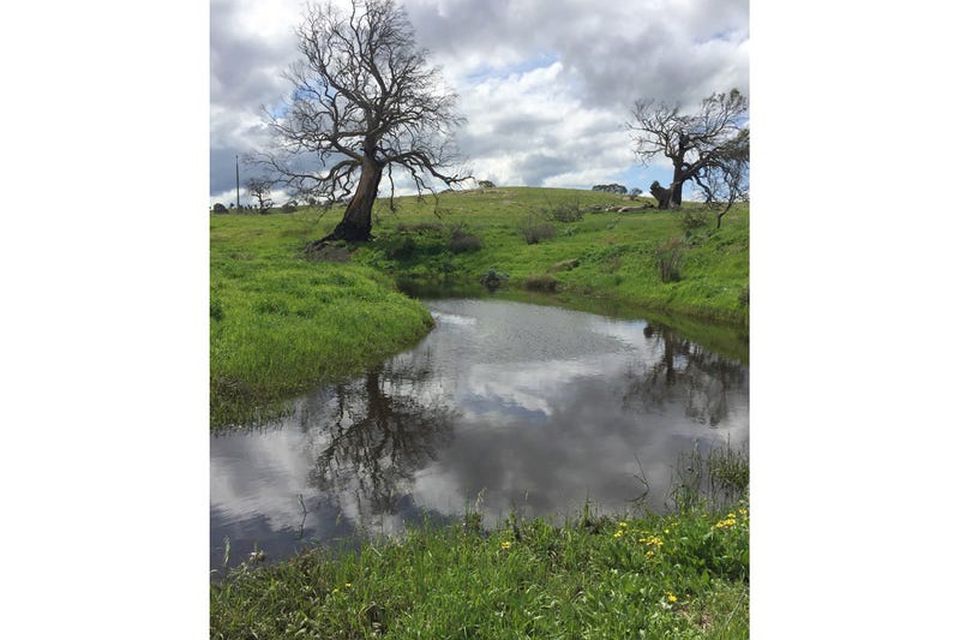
x=546, y=86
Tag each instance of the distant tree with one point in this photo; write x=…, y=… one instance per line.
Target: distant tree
x=610, y=188
x=636, y=191
x=219, y=208
x=365, y=101
x=714, y=137
x=486, y=184
x=231, y=205
x=259, y=188
x=289, y=207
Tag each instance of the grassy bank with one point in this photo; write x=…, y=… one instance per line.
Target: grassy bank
x=280, y=324
x=602, y=255
x=676, y=576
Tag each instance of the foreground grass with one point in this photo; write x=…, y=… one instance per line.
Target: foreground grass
x=674, y=576
x=280, y=324
x=606, y=256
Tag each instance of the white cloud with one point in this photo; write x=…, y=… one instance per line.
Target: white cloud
x=546, y=86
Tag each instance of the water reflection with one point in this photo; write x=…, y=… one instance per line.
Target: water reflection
x=538, y=408
x=688, y=372
x=380, y=432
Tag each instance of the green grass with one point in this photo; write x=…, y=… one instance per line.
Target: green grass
x=280, y=324
x=615, y=253
x=684, y=575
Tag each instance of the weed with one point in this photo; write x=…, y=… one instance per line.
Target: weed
x=569, y=211
x=669, y=258
x=692, y=219
x=535, y=231
x=462, y=241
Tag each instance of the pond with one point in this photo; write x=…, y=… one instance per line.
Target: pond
x=505, y=406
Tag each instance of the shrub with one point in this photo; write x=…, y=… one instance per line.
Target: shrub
x=399, y=247
x=534, y=232
x=486, y=184
x=493, y=279
x=546, y=283
x=566, y=212
x=462, y=241
x=669, y=258
x=693, y=220
x=289, y=207
x=219, y=208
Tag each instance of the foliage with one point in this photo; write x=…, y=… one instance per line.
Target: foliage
x=568, y=211
x=462, y=241
x=535, y=230
x=486, y=184
x=493, y=279
x=219, y=208
x=606, y=245
x=610, y=188
x=259, y=188
x=669, y=258
x=289, y=207
x=693, y=219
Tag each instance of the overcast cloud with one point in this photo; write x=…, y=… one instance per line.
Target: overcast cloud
x=546, y=86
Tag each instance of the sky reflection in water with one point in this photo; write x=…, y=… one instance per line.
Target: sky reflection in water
x=538, y=407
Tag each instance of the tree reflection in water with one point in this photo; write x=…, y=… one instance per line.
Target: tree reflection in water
x=684, y=371
x=382, y=430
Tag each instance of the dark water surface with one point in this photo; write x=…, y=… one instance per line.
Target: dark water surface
x=528, y=407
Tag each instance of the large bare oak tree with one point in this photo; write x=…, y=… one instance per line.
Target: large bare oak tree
x=709, y=145
x=365, y=102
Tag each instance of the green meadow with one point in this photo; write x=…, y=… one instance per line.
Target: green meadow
x=281, y=322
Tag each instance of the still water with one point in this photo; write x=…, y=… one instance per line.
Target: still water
x=514, y=405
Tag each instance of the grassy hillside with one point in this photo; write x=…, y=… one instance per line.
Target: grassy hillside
x=280, y=324
x=605, y=255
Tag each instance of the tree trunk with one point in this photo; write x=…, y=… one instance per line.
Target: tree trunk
x=677, y=186
x=356, y=223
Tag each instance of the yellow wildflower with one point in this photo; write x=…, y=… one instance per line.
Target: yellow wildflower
x=649, y=554
x=506, y=544
x=348, y=584
x=618, y=533
x=671, y=598
x=622, y=524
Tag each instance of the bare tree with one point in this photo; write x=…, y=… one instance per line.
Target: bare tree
x=259, y=188
x=724, y=185
x=365, y=101
x=698, y=143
